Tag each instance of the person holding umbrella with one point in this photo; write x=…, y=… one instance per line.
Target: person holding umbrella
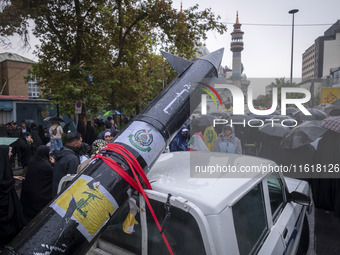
x=56, y=131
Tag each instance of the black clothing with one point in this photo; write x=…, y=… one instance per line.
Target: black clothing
x=43, y=134
x=11, y=216
x=84, y=150
x=270, y=147
x=326, y=192
x=66, y=162
x=81, y=128
x=36, y=190
x=36, y=138
x=301, y=156
x=27, y=150
x=35, y=135
x=90, y=135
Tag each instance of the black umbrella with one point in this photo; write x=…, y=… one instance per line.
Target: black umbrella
x=54, y=118
x=221, y=115
x=322, y=107
x=240, y=118
x=290, y=110
x=274, y=129
x=280, y=117
x=288, y=121
x=316, y=115
x=203, y=121
x=303, y=134
x=330, y=109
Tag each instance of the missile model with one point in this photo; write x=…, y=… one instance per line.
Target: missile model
x=74, y=219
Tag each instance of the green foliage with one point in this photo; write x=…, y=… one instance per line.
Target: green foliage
x=263, y=100
x=266, y=100
x=115, y=42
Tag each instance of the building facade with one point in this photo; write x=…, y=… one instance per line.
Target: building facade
x=323, y=55
x=19, y=94
x=14, y=70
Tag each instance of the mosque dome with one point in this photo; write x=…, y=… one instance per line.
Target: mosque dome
x=200, y=51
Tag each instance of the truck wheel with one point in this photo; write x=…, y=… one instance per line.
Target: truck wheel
x=304, y=239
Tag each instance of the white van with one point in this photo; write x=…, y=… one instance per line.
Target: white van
x=261, y=214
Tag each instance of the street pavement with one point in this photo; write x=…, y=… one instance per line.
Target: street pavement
x=323, y=225
x=327, y=229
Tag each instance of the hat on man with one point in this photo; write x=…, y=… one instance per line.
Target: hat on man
x=184, y=129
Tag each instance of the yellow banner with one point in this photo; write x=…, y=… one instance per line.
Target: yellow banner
x=92, y=206
x=329, y=95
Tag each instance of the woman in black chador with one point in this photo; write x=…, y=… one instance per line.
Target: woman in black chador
x=326, y=191
x=36, y=190
x=11, y=217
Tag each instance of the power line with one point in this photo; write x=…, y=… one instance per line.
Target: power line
x=278, y=25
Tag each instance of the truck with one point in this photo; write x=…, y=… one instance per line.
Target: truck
x=252, y=212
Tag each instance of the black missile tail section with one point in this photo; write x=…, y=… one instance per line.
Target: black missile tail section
x=74, y=219
x=178, y=63
x=214, y=58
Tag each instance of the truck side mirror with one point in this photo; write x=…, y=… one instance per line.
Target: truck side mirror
x=299, y=198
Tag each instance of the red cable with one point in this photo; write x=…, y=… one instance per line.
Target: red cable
x=134, y=166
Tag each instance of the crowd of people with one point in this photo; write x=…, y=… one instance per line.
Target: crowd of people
x=43, y=166
x=207, y=140
x=240, y=139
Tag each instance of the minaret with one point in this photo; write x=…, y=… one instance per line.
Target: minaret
x=236, y=46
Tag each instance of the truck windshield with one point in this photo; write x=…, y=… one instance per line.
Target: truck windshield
x=181, y=230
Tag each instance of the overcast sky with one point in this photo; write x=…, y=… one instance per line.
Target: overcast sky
x=267, y=30
x=267, y=49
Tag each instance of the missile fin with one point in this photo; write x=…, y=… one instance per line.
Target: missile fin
x=178, y=63
x=215, y=58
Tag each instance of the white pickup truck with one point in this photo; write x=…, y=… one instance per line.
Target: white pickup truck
x=254, y=214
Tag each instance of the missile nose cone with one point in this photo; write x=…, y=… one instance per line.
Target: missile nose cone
x=215, y=58
x=179, y=64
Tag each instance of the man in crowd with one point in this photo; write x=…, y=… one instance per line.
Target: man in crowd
x=180, y=142
x=114, y=127
x=108, y=137
x=66, y=160
x=108, y=126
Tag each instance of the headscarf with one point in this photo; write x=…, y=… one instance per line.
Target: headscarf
x=42, y=154
x=11, y=217
x=6, y=174
x=36, y=190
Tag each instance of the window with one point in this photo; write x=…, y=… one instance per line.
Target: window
x=33, y=89
x=276, y=194
x=181, y=230
x=250, y=220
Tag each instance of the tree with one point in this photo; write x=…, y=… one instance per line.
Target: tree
x=115, y=42
x=281, y=83
x=263, y=100
x=12, y=21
